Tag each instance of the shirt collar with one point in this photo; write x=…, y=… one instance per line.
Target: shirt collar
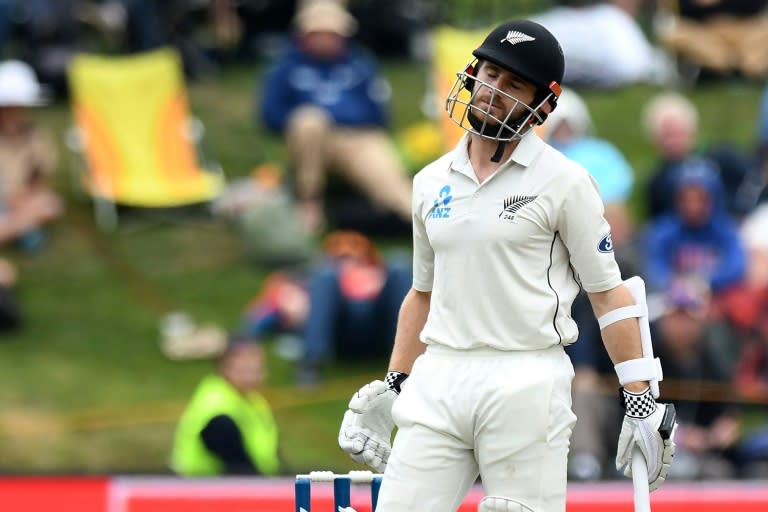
x=460, y=161
x=524, y=154
x=527, y=149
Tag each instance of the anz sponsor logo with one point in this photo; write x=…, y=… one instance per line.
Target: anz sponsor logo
x=605, y=244
x=440, y=208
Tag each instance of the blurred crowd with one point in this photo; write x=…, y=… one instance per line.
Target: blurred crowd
x=700, y=240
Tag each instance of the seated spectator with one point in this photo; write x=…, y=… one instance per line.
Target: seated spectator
x=745, y=307
x=604, y=45
x=345, y=308
x=708, y=434
x=672, y=124
x=722, y=36
x=227, y=427
x=698, y=238
x=327, y=99
x=570, y=130
x=28, y=158
x=709, y=427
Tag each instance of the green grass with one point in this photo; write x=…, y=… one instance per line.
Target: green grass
x=84, y=387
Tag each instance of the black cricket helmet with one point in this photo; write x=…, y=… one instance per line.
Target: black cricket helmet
x=528, y=50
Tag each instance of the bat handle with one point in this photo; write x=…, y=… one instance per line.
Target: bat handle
x=640, y=482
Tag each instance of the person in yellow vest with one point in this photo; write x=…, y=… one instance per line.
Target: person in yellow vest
x=228, y=427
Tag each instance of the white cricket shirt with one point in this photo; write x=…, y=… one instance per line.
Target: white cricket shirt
x=504, y=258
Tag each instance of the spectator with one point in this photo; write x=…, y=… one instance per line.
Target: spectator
x=708, y=435
x=672, y=123
x=722, y=36
x=326, y=98
x=28, y=159
x=227, y=427
x=250, y=29
x=569, y=129
x=145, y=25
x=604, y=45
x=746, y=308
x=709, y=431
x=699, y=238
x=347, y=307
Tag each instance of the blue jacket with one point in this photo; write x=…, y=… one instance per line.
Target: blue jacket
x=348, y=88
x=713, y=250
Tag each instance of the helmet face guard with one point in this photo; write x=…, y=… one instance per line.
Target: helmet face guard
x=461, y=108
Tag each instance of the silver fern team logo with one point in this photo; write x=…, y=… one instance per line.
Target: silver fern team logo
x=513, y=204
x=514, y=37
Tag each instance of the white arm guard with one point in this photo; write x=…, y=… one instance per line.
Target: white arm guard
x=647, y=368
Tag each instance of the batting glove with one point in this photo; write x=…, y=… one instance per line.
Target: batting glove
x=651, y=427
x=367, y=426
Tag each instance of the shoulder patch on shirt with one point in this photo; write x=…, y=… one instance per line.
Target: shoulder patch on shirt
x=605, y=244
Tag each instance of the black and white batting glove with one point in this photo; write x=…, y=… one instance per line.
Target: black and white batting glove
x=651, y=427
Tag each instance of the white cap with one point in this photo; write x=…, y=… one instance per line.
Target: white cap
x=325, y=16
x=570, y=109
x=19, y=85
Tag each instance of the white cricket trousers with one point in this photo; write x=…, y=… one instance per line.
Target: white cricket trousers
x=503, y=415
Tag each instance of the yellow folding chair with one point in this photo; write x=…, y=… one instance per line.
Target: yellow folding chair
x=134, y=131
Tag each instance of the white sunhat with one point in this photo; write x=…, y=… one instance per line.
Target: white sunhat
x=572, y=110
x=19, y=85
x=325, y=16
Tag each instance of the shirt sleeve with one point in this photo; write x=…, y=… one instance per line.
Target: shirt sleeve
x=587, y=235
x=423, y=255
x=222, y=437
x=276, y=104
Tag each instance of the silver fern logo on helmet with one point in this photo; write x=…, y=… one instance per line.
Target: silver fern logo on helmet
x=514, y=37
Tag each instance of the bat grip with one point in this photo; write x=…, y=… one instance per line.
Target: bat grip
x=640, y=482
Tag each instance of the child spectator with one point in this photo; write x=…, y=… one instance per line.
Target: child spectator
x=28, y=158
x=345, y=308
